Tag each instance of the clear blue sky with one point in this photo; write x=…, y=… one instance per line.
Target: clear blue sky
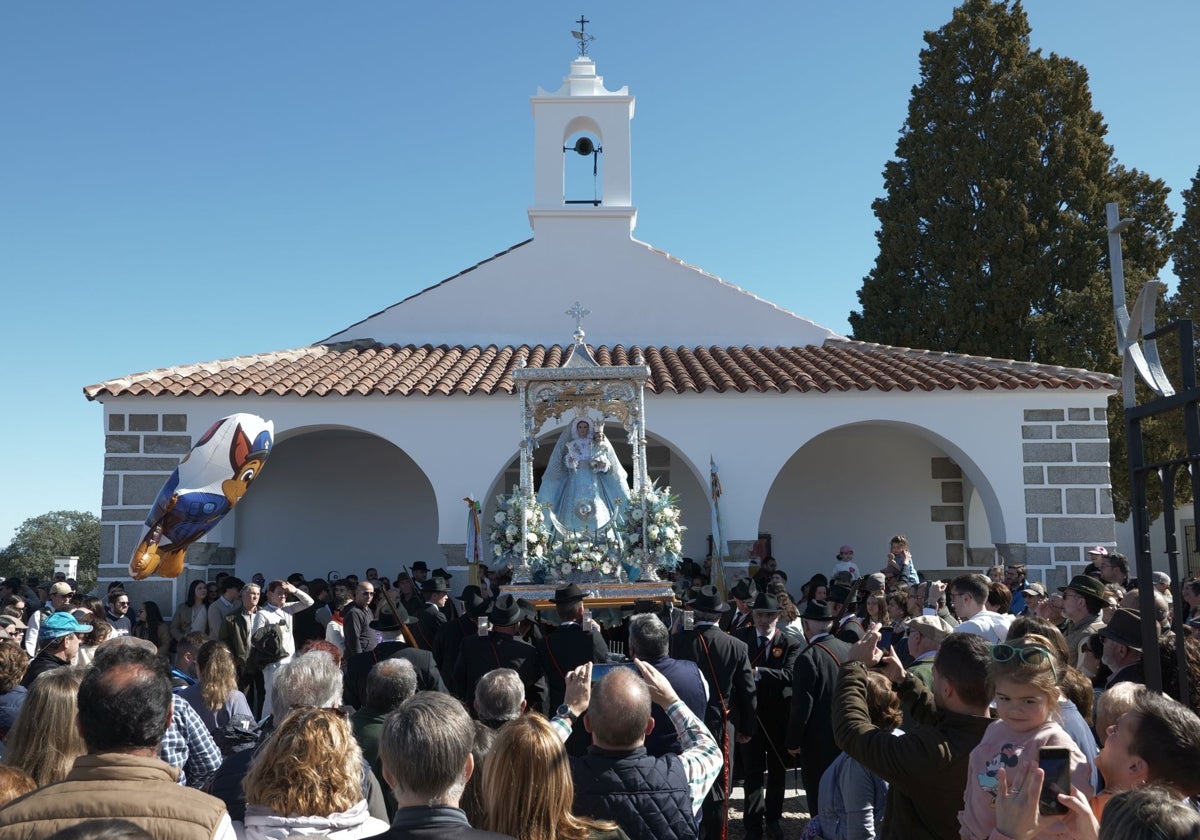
x=184, y=182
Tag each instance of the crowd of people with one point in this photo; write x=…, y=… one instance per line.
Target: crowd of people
x=983, y=706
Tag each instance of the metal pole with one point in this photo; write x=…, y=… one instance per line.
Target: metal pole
x=1140, y=513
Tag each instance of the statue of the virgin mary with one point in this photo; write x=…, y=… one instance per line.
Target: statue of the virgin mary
x=584, y=485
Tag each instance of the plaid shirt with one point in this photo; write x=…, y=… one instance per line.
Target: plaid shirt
x=701, y=757
x=188, y=746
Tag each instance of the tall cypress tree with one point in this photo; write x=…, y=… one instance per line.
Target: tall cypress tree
x=992, y=237
x=992, y=229
x=1185, y=252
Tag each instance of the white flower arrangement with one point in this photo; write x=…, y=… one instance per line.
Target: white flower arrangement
x=662, y=540
x=512, y=510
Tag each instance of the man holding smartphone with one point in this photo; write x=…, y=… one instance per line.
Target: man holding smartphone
x=576, y=641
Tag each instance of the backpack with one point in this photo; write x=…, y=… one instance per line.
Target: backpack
x=266, y=646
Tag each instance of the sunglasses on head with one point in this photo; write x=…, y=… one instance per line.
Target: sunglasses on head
x=1034, y=655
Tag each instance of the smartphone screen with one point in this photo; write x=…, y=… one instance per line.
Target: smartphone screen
x=602, y=668
x=689, y=620
x=1056, y=764
x=482, y=625
x=885, y=639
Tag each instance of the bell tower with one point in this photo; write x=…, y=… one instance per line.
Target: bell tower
x=582, y=123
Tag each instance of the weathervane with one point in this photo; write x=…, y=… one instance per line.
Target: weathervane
x=581, y=35
x=578, y=313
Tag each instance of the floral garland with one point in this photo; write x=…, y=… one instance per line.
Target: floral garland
x=583, y=557
x=662, y=543
x=512, y=510
x=623, y=543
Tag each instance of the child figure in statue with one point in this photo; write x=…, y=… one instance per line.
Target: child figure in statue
x=585, y=485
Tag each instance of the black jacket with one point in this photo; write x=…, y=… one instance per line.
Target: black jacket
x=810, y=723
x=481, y=654
x=359, y=666
x=563, y=650
x=429, y=620
x=773, y=668
x=725, y=663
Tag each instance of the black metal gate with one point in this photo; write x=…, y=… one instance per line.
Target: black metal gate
x=1141, y=473
x=1143, y=362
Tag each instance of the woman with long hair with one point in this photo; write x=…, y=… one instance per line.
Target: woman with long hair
x=307, y=779
x=13, y=662
x=215, y=695
x=528, y=790
x=45, y=740
x=151, y=627
x=192, y=615
x=101, y=630
x=875, y=608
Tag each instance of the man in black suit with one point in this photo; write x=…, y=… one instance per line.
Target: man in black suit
x=448, y=608
x=742, y=593
x=810, y=722
x=425, y=748
x=772, y=660
x=430, y=617
x=565, y=649
x=842, y=601
x=725, y=663
x=500, y=648
x=450, y=635
x=392, y=618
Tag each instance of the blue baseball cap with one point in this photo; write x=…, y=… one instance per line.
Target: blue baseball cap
x=59, y=624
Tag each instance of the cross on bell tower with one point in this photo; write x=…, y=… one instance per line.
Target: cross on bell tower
x=582, y=117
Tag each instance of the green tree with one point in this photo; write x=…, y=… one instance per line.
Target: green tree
x=1185, y=252
x=992, y=237
x=60, y=533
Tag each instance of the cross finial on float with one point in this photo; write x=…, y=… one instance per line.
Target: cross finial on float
x=578, y=313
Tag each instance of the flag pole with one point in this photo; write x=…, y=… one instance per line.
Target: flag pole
x=720, y=549
x=474, y=549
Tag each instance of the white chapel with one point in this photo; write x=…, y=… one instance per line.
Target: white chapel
x=385, y=426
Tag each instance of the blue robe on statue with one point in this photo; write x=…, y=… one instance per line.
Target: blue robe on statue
x=585, y=485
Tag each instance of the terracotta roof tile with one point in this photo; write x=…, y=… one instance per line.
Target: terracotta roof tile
x=370, y=368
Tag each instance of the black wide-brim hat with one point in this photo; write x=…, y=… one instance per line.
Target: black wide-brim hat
x=707, y=599
x=766, y=603
x=529, y=610
x=506, y=611
x=442, y=573
x=839, y=593
x=434, y=585
x=568, y=594
x=1086, y=585
x=420, y=566
x=1125, y=628
x=743, y=590
x=475, y=604
x=817, y=611
x=391, y=620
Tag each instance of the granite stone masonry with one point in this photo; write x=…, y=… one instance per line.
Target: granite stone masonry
x=1068, y=496
x=141, y=450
